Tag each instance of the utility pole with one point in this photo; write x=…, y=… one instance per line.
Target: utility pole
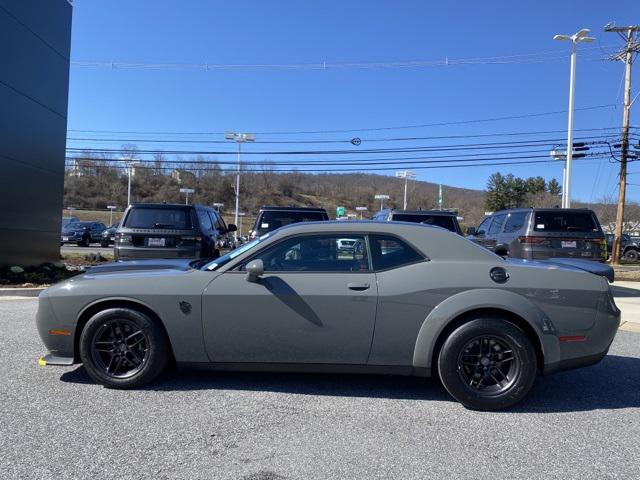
x=629, y=34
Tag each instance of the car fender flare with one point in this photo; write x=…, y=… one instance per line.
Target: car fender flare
x=470, y=300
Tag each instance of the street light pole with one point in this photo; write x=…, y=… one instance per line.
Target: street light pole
x=239, y=138
x=130, y=166
x=406, y=174
x=580, y=36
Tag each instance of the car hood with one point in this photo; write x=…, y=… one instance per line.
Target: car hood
x=141, y=266
x=590, y=266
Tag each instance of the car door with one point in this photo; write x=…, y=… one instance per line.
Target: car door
x=491, y=238
x=481, y=232
x=314, y=304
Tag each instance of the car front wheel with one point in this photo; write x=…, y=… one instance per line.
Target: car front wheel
x=632, y=255
x=487, y=364
x=123, y=348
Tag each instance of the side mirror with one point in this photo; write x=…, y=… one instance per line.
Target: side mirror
x=471, y=230
x=231, y=228
x=255, y=269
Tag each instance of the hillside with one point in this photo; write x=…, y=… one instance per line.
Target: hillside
x=104, y=187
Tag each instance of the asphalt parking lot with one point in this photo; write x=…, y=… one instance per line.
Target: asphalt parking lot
x=57, y=424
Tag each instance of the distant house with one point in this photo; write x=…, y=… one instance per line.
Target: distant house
x=183, y=176
x=82, y=167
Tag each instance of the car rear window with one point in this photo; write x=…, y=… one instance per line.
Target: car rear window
x=444, y=221
x=271, y=220
x=168, y=218
x=581, y=222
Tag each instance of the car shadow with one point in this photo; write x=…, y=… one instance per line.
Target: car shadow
x=611, y=384
x=622, y=292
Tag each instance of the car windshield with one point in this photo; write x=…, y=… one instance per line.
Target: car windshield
x=224, y=259
x=581, y=222
x=444, y=221
x=72, y=225
x=167, y=218
x=270, y=220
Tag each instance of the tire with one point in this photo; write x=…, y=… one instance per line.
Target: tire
x=141, y=361
x=632, y=255
x=498, y=385
x=85, y=242
x=104, y=244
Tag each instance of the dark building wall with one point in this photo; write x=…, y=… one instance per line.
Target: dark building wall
x=35, y=40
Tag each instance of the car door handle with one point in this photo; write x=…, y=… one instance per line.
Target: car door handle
x=358, y=286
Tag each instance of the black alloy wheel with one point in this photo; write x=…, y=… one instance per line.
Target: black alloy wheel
x=119, y=348
x=123, y=348
x=487, y=363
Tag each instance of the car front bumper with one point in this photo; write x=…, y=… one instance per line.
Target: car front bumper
x=57, y=336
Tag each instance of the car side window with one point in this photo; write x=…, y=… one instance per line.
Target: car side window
x=496, y=225
x=317, y=253
x=218, y=223
x=484, y=226
x=515, y=222
x=205, y=221
x=391, y=252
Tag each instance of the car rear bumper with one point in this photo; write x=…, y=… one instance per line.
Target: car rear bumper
x=581, y=349
x=125, y=253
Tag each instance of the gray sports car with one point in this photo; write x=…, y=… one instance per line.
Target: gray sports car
x=412, y=300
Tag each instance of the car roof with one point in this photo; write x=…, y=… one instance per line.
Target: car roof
x=165, y=205
x=426, y=212
x=290, y=209
x=529, y=209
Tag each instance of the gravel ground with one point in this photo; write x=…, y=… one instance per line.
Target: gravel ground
x=56, y=424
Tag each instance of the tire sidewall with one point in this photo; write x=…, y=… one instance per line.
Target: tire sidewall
x=155, y=362
x=458, y=339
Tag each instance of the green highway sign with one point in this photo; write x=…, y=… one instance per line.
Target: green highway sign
x=340, y=211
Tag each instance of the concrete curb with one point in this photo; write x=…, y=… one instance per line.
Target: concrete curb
x=21, y=292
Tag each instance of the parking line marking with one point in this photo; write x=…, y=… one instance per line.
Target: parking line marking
x=630, y=327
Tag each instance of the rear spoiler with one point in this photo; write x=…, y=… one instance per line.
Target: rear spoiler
x=590, y=266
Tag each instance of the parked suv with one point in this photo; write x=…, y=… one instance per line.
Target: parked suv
x=152, y=230
x=441, y=218
x=270, y=218
x=542, y=233
x=630, y=246
x=82, y=233
x=109, y=236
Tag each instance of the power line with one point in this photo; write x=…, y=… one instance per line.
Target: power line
x=355, y=170
x=355, y=130
x=325, y=141
x=423, y=148
x=526, y=58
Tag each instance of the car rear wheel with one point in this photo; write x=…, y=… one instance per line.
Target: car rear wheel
x=123, y=348
x=85, y=242
x=104, y=243
x=632, y=255
x=487, y=364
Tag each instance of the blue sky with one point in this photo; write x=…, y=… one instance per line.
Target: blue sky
x=294, y=32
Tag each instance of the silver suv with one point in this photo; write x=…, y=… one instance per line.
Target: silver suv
x=542, y=233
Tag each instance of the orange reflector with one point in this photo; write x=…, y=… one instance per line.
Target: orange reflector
x=573, y=338
x=64, y=333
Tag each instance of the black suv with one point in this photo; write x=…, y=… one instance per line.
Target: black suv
x=630, y=246
x=152, y=230
x=270, y=218
x=542, y=233
x=82, y=233
x=441, y=218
